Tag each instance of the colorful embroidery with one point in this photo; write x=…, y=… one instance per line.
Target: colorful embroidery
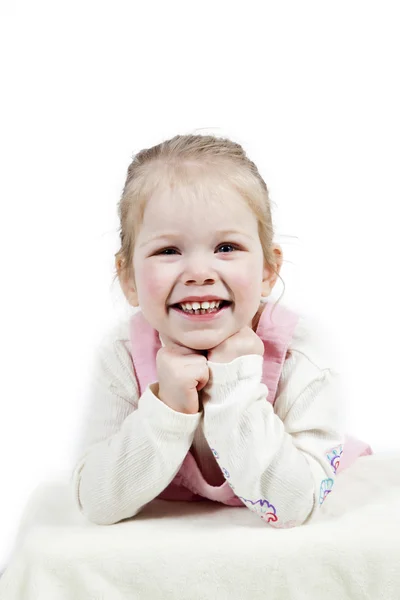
x=226, y=473
x=268, y=511
x=325, y=489
x=334, y=456
x=215, y=453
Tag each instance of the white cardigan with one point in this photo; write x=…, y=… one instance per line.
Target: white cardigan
x=131, y=448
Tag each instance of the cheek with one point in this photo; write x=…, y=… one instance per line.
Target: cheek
x=152, y=281
x=243, y=280
x=247, y=279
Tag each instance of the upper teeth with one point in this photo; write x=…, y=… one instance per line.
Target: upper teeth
x=197, y=305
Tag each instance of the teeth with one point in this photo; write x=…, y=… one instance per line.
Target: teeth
x=200, y=305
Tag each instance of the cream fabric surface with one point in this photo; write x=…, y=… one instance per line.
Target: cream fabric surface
x=199, y=551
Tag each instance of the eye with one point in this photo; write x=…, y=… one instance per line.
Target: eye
x=164, y=250
x=224, y=245
x=228, y=245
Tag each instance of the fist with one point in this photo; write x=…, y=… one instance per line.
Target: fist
x=242, y=343
x=182, y=373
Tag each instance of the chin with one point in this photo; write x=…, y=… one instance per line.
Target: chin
x=203, y=342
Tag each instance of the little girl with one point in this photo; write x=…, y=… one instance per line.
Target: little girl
x=209, y=391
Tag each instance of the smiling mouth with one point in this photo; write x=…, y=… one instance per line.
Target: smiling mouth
x=202, y=311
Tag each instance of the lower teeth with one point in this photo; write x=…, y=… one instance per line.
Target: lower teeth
x=201, y=311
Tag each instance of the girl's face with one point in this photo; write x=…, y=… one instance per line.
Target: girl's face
x=192, y=249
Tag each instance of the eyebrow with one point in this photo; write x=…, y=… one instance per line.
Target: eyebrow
x=177, y=235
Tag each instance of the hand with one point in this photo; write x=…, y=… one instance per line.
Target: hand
x=182, y=373
x=244, y=342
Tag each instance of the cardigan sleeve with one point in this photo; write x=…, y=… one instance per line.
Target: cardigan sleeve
x=130, y=448
x=279, y=460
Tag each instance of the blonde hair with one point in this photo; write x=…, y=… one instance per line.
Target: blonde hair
x=190, y=163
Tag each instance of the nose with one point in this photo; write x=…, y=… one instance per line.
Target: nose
x=198, y=270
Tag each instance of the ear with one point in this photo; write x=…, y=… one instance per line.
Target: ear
x=127, y=283
x=269, y=276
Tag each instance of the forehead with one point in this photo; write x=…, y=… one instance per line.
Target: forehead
x=175, y=210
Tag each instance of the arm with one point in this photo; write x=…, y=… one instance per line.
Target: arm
x=132, y=448
x=275, y=458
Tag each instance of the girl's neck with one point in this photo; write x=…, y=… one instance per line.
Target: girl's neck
x=257, y=316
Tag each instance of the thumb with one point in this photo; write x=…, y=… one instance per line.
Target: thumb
x=203, y=380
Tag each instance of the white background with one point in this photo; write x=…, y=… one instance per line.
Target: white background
x=311, y=90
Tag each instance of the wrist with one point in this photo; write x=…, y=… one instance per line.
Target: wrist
x=242, y=367
x=155, y=389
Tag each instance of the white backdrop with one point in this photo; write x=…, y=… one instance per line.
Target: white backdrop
x=310, y=89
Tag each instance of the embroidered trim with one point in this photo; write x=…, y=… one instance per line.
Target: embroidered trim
x=325, y=489
x=215, y=453
x=334, y=455
x=267, y=510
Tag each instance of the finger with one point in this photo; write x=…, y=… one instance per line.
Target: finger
x=203, y=380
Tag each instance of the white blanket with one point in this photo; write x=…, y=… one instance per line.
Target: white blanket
x=199, y=551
